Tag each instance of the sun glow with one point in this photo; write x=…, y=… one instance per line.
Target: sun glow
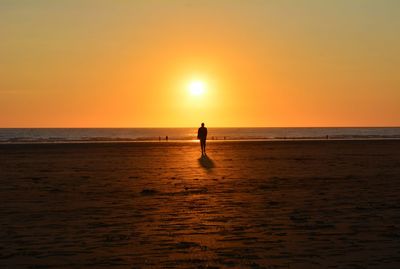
x=196, y=87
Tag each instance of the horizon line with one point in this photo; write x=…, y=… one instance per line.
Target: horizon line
x=181, y=127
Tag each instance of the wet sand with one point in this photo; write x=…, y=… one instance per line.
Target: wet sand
x=289, y=204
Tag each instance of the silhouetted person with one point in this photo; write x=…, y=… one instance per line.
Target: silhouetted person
x=166, y=138
x=202, y=136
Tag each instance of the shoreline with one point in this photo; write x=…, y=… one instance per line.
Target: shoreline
x=195, y=140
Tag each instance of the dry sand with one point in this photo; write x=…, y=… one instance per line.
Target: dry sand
x=290, y=204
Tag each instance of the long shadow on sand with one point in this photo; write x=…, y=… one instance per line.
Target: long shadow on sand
x=206, y=162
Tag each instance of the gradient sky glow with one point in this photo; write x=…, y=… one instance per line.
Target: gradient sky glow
x=79, y=63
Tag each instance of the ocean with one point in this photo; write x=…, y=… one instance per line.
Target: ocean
x=53, y=135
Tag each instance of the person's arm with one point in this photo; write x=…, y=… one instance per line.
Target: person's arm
x=198, y=133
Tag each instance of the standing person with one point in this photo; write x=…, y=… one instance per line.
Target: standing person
x=202, y=135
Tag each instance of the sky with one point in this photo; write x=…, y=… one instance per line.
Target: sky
x=261, y=63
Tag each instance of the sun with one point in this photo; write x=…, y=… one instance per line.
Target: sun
x=196, y=87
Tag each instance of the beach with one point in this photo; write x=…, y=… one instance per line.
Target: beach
x=249, y=204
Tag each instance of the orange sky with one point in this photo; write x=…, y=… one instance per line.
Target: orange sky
x=263, y=63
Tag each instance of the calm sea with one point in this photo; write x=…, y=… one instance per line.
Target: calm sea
x=17, y=135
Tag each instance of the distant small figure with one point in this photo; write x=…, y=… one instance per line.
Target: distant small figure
x=327, y=136
x=166, y=138
x=159, y=138
x=224, y=137
x=202, y=136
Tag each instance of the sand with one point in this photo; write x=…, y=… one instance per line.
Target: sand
x=289, y=204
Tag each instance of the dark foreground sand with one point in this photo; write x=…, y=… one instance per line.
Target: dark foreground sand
x=291, y=204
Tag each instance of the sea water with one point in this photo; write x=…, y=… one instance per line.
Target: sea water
x=45, y=135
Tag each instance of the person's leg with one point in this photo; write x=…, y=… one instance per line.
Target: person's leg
x=201, y=146
x=204, y=146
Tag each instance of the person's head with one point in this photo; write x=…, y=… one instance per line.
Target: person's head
x=202, y=124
